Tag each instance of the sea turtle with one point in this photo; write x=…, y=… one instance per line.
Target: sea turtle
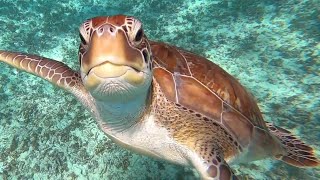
x=162, y=101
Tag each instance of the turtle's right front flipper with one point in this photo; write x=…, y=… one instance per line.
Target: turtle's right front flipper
x=54, y=71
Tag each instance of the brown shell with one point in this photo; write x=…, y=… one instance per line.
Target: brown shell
x=199, y=84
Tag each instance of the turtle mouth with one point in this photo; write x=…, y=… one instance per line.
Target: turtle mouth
x=108, y=69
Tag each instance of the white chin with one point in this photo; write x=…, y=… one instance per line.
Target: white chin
x=123, y=88
x=113, y=89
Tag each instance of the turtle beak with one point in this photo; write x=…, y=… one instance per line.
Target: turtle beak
x=110, y=55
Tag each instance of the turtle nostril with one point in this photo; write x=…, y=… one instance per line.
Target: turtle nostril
x=100, y=30
x=111, y=29
x=106, y=29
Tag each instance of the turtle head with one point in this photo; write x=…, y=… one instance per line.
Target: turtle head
x=115, y=57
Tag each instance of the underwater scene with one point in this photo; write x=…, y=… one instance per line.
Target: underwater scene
x=272, y=47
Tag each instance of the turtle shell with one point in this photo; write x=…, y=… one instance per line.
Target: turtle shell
x=202, y=86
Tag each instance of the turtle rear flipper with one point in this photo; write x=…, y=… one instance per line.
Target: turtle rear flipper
x=298, y=154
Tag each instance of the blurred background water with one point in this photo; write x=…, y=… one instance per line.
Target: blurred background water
x=272, y=47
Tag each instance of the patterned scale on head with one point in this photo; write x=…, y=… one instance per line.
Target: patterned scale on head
x=113, y=47
x=165, y=102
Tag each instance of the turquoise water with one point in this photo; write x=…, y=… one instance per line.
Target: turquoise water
x=272, y=47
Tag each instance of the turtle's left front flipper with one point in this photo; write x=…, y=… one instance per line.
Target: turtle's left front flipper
x=54, y=71
x=213, y=166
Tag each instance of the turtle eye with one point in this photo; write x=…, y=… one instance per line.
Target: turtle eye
x=83, y=41
x=139, y=35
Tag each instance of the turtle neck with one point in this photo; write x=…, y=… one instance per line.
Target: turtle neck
x=118, y=116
